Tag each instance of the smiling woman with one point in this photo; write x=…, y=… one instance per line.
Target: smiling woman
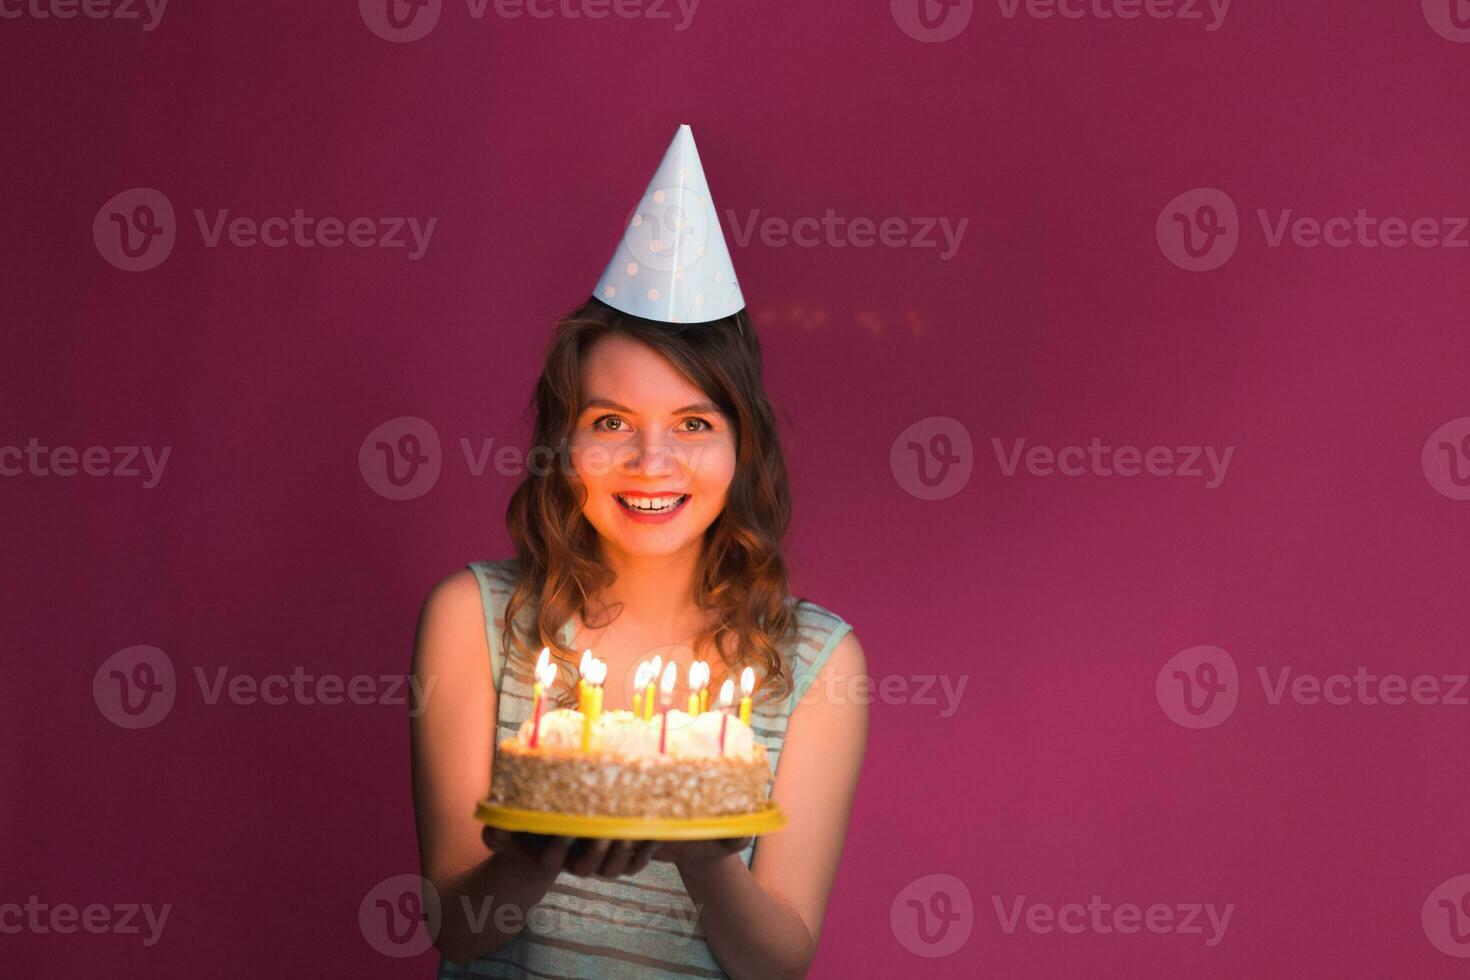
x=659, y=532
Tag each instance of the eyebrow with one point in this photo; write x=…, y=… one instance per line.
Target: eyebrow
x=698, y=408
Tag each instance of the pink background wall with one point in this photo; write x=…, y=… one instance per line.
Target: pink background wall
x=1335, y=832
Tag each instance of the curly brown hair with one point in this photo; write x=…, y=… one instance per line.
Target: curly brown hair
x=741, y=577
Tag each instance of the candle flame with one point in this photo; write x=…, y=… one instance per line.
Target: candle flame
x=586, y=662
x=597, y=671
x=545, y=669
x=644, y=676
x=747, y=682
x=666, y=686
x=698, y=675
x=727, y=693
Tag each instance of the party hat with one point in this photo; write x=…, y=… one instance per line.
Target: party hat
x=672, y=264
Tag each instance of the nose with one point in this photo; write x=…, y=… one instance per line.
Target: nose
x=650, y=455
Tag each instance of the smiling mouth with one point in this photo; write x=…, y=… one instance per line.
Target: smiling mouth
x=652, y=505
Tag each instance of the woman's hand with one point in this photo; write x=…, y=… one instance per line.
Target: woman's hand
x=684, y=853
x=582, y=856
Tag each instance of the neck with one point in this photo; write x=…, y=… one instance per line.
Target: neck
x=653, y=589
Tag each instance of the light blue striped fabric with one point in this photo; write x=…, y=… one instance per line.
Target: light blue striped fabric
x=636, y=926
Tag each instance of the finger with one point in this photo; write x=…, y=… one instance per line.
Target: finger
x=553, y=857
x=642, y=854
x=737, y=843
x=589, y=856
x=618, y=857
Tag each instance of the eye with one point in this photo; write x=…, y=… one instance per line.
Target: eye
x=597, y=424
x=703, y=425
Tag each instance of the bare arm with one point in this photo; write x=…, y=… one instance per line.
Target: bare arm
x=451, y=771
x=765, y=921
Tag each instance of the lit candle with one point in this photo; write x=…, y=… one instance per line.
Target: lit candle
x=747, y=684
x=545, y=677
x=642, y=678
x=727, y=698
x=601, y=668
x=648, y=697
x=698, y=678
x=666, y=700
x=583, y=700
x=599, y=675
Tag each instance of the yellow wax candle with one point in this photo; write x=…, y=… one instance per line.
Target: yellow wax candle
x=747, y=685
x=703, y=700
x=693, y=703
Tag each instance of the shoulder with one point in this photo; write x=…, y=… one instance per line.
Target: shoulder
x=457, y=603
x=825, y=642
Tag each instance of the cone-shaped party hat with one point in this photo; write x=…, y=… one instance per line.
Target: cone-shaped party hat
x=672, y=263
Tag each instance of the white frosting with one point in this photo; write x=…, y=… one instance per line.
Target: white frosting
x=625, y=734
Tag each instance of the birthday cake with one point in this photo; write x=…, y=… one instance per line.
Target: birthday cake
x=703, y=765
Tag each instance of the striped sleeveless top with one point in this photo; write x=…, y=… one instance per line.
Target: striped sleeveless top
x=637, y=926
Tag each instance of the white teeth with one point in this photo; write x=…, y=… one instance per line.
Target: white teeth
x=651, y=505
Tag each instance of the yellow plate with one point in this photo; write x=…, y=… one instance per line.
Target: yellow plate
x=763, y=821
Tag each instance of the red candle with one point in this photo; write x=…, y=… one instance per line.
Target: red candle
x=666, y=698
x=545, y=675
x=727, y=697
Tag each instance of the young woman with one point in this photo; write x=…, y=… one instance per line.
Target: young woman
x=639, y=410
